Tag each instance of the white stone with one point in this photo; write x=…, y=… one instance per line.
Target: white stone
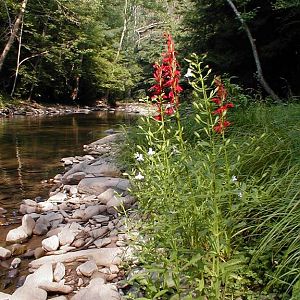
x=28, y=224
x=58, y=198
x=44, y=274
x=51, y=243
x=59, y=272
x=66, y=236
x=16, y=235
x=47, y=206
x=4, y=253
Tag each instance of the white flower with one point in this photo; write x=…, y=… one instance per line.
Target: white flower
x=234, y=178
x=138, y=156
x=189, y=73
x=151, y=152
x=139, y=176
x=240, y=194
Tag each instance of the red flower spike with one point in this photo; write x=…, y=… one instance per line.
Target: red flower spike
x=166, y=89
x=222, y=106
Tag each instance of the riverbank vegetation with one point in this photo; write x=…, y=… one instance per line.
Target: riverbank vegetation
x=218, y=190
x=62, y=51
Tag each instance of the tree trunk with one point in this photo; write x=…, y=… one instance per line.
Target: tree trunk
x=260, y=75
x=124, y=30
x=13, y=34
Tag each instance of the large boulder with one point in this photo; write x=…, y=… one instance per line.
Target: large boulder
x=98, y=185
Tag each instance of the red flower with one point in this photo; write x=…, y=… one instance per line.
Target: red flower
x=166, y=89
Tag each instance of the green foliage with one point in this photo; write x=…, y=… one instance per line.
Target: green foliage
x=211, y=27
x=220, y=215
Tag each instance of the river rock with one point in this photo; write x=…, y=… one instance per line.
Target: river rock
x=99, y=232
x=59, y=272
x=78, y=214
x=87, y=268
x=100, y=243
x=73, y=178
x=51, y=243
x=29, y=202
x=44, y=274
x=106, y=196
x=102, y=257
x=96, y=290
x=47, y=206
x=98, y=185
x=66, y=236
x=91, y=211
x=56, y=287
x=28, y=224
x=39, y=252
x=58, y=198
x=101, y=218
x=41, y=226
x=4, y=253
x=15, y=263
x=16, y=235
x=18, y=249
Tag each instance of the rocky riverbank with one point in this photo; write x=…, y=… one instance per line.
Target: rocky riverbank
x=83, y=237
x=35, y=109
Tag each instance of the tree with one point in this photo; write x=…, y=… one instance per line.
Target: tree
x=14, y=32
x=260, y=75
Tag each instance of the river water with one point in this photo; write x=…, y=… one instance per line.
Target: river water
x=31, y=149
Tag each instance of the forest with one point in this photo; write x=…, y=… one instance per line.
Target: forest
x=62, y=51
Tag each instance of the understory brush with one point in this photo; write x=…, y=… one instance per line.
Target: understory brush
x=220, y=209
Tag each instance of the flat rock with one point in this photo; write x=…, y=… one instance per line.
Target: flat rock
x=98, y=185
x=16, y=235
x=56, y=287
x=99, y=232
x=102, y=242
x=58, y=198
x=4, y=253
x=102, y=257
x=87, y=268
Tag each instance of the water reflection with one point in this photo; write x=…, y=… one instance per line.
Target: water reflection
x=31, y=148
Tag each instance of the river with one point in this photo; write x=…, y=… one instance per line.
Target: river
x=31, y=149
